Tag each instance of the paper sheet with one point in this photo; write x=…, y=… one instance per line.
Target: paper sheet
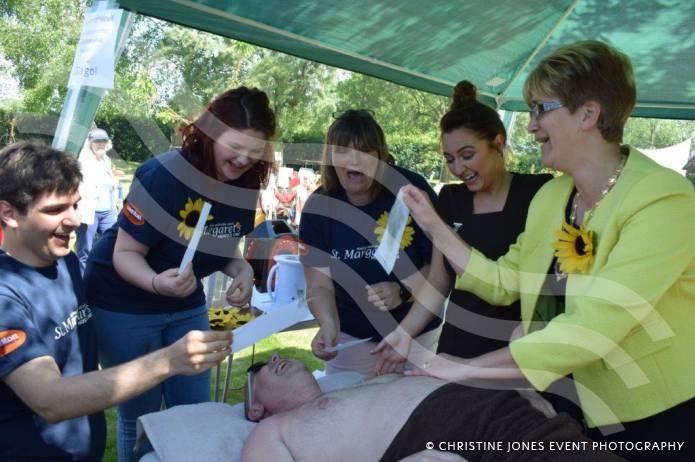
x=195, y=239
x=94, y=56
x=267, y=324
x=342, y=346
x=388, y=249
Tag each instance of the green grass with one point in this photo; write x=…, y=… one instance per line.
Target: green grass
x=295, y=344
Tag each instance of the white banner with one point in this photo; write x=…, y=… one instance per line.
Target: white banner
x=95, y=53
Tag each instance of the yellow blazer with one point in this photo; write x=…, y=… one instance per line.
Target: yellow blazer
x=628, y=331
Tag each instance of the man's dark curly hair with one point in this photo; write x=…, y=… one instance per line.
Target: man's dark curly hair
x=29, y=169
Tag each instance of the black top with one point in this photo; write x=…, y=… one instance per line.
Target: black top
x=485, y=327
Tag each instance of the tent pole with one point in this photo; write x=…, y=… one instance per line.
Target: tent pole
x=81, y=104
x=539, y=47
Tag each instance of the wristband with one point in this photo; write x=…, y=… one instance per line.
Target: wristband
x=154, y=288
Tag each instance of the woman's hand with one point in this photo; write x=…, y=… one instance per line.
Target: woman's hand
x=172, y=284
x=393, y=351
x=443, y=366
x=327, y=336
x=385, y=295
x=420, y=207
x=240, y=290
x=518, y=332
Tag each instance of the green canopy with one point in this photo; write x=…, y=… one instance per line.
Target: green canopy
x=432, y=45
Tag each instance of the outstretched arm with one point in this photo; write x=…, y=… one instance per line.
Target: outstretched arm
x=40, y=385
x=496, y=365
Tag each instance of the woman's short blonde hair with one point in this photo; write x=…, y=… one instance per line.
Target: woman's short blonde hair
x=588, y=71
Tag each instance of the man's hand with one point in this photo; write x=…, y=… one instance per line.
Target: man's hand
x=385, y=295
x=240, y=290
x=327, y=336
x=172, y=284
x=393, y=351
x=198, y=351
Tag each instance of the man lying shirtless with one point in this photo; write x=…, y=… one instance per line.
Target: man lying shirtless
x=393, y=417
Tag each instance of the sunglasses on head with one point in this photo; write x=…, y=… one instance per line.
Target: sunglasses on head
x=252, y=369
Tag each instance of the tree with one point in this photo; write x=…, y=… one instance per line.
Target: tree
x=300, y=91
x=39, y=38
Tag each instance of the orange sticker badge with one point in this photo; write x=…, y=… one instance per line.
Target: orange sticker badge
x=133, y=214
x=10, y=340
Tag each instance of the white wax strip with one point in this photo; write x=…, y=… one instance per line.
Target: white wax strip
x=195, y=239
x=267, y=324
x=388, y=249
x=342, y=346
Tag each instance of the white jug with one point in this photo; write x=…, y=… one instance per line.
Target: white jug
x=290, y=284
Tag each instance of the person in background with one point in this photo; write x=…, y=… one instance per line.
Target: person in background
x=608, y=292
x=303, y=189
x=343, y=222
x=52, y=393
x=98, y=191
x=141, y=300
x=488, y=210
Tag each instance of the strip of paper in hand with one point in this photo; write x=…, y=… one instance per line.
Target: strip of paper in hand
x=195, y=239
x=390, y=245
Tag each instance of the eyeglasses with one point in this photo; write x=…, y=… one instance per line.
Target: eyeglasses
x=538, y=109
x=368, y=113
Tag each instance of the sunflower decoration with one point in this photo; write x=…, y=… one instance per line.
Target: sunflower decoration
x=574, y=248
x=190, y=215
x=408, y=233
x=230, y=318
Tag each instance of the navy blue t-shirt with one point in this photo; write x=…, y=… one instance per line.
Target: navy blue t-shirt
x=43, y=313
x=161, y=211
x=344, y=238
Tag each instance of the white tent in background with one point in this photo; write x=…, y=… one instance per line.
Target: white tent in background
x=674, y=157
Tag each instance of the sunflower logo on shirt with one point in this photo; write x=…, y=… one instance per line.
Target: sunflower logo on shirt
x=189, y=217
x=408, y=233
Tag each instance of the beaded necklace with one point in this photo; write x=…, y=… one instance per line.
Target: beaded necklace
x=609, y=185
x=559, y=274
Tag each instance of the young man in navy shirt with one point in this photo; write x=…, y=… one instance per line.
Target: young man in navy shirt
x=52, y=395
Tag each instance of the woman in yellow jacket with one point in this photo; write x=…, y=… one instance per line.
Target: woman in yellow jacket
x=605, y=267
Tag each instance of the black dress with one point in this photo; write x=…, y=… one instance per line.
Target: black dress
x=473, y=327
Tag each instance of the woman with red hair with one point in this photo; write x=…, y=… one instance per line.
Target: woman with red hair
x=140, y=300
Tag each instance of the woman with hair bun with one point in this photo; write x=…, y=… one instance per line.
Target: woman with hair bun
x=488, y=209
x=140, y=300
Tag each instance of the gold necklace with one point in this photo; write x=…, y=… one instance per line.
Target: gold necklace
x=559, y=274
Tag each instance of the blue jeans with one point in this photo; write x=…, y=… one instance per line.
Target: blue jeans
x=86, y=234
x=123, y=337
